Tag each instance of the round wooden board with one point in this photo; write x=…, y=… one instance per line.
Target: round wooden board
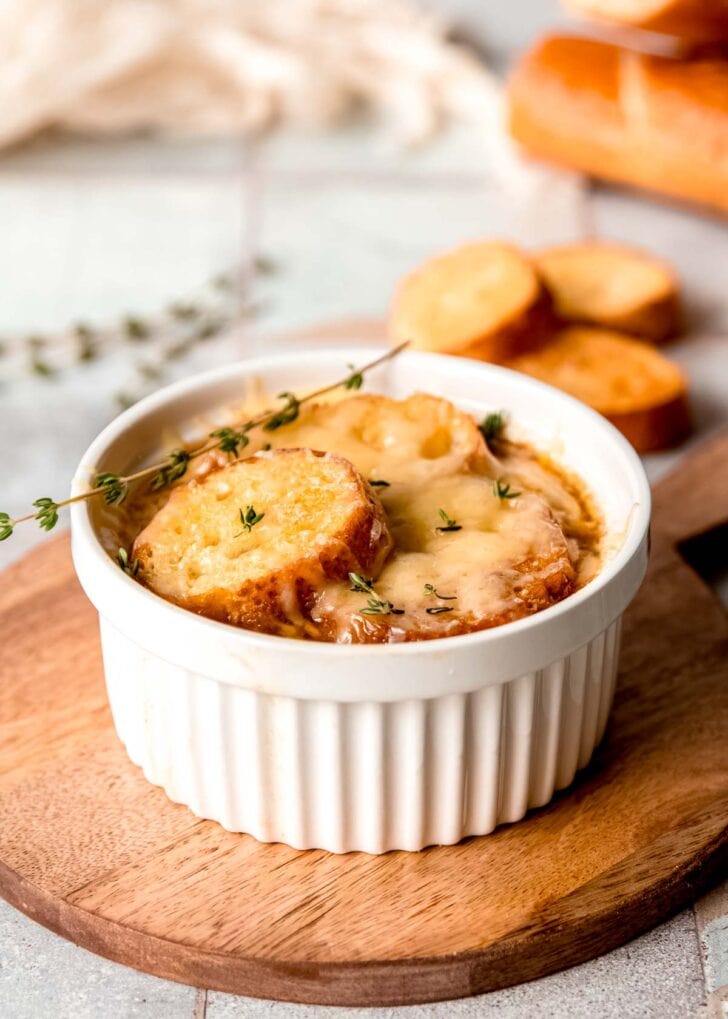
x=92, y=851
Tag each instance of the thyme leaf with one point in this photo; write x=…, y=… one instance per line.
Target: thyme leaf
x=130, y=568
x=492, y=426
x=175, y=468
x=183, y=311
x=230, y=440
x=380, y=607
x=47, y=515
x=359, y=583
x=264, y=266
x=208, y=329
x=124, y=400
x=355, y=380
x=501, y=490
x=6, y=526
x=431, y=589
x=375, y=605
x=86, y=346
x=289, y=413
x=40, y=367
x=135, y=328
x=448, y=524
x=113, y=488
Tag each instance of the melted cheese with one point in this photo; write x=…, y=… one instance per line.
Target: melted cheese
x=508, y=557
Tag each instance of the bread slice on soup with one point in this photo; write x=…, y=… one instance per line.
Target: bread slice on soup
x=252, y=542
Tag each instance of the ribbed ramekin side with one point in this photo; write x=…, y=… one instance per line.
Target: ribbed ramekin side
x=363, y=776
x=612, y=645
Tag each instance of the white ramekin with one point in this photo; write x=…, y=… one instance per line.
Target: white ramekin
x=368, y=747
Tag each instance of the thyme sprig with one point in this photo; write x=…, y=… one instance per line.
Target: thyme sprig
x=376, y=605
x=448, y=524
x=164, y=335
x=113, y=487
x=359, y=583
x=431, y=589
x=502, y=490
x=379, y=484
x=437, y=610
x=355, y=380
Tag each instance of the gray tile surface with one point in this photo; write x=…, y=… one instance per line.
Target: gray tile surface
x=712, y=917
x=44, y=977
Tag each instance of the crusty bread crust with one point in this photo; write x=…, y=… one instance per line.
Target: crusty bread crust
x=659, y=427
x=322, y=520
x=688, y=20
x=543, y=581
x=645, y=121
x=613, y=285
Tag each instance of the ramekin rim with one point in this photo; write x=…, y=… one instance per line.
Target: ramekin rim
x=83, y=530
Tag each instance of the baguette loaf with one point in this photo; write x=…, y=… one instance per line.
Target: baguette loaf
x=314, y=519
x=645, y=121
x=694, y=20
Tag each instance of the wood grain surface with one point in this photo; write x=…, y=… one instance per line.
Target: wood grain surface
x=92, y=851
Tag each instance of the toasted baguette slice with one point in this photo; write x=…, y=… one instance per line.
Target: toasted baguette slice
x=694, y=20
x=614, y=286
x=414, y=439
x=642, y=393
x=504, y=560
x=319, y=521
x=644, y=121
x=482, y=300
x=388, y=440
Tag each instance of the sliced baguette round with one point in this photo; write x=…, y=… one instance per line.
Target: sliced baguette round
x=483, y=299
x=613, y=285
x=320, y=520
x=505, y=560
x=414, y=439
x=641, y=392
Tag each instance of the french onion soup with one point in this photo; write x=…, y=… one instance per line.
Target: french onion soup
x=368, y=520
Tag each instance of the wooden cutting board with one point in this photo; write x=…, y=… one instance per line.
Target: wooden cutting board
x=92, y=851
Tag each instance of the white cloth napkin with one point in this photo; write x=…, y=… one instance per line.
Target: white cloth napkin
x=227, y=65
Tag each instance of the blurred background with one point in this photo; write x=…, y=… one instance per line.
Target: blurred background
x=182, y=181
